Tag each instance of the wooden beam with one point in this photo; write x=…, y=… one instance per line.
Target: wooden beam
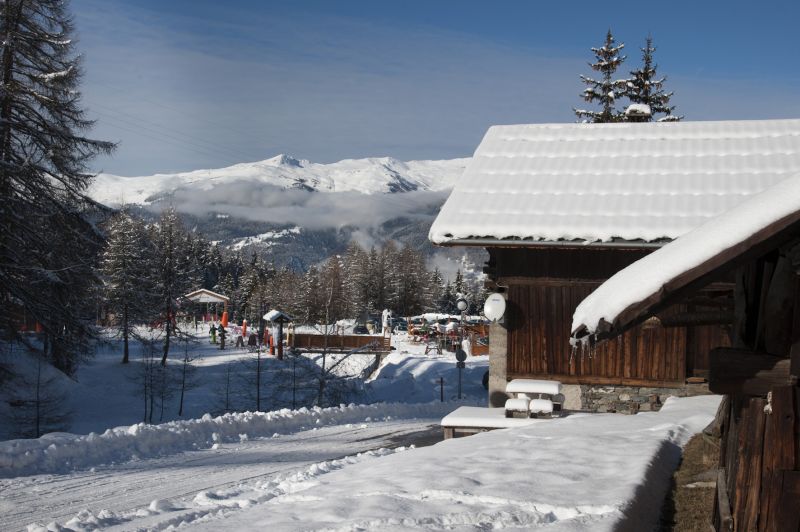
x=738, y=371
x=723, y=503
x=685, y=319
x=794, y=366
x=597, y=380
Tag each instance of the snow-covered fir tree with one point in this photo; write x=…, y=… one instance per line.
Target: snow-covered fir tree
x=646, y=92
x=357, y=280
x=606, y=90
x=310, y=297
x=174, y=271
x=44, y=156
x=128, y=281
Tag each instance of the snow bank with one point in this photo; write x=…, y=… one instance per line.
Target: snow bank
x=62, y=452
x=405, y=377
x=594, y=473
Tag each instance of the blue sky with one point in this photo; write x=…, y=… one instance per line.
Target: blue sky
x=194, y=84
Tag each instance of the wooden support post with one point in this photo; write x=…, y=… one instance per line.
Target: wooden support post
x=723, y=503
x=742, y=372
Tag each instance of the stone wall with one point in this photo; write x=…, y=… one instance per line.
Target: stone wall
x=632, y=399
x=497, y=365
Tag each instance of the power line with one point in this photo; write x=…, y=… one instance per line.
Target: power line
x=174, y=142
x=140, y=122
x=203, y=148
x=120, y=90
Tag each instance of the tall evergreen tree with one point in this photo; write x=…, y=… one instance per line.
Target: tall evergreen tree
x=44, y=156
x=173, y=270
x=605, y=90
x=126, y=270
x=646, y=88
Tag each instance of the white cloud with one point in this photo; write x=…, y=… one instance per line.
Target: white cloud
x=311, y=210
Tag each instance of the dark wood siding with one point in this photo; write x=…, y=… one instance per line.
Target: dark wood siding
x=546, y=284
x=539, y=317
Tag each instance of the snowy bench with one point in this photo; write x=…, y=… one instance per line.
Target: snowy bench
x=533, y=398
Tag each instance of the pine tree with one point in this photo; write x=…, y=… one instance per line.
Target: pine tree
x=173, y=270
x=333, y=290
x=645, y=88
x=606, y=90
x=47, y=245
x=310, y=297
x=357, y=279
x=128, y=282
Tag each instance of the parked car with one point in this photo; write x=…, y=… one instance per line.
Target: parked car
x=360, y=328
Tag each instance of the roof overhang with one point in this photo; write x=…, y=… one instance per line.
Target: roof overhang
x=530, y=243
x=781, y=229
x=206, y=296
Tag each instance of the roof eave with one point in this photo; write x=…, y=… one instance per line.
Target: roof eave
x=528, y=243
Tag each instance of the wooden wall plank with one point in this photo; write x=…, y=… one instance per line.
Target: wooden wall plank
x=779, y=453
x=747, y=490
x=538, y=340
x=788, y=509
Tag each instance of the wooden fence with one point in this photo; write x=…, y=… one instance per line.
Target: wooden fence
x=340, y=342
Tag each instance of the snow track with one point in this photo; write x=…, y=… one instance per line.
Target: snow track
x=192, y=485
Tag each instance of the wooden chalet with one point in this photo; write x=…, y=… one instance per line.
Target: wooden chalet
x=758, y=241
x=562, y=207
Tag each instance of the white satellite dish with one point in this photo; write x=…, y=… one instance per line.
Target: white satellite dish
x=494, y=307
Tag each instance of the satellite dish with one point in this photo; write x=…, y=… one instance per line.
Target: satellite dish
x=495, y=306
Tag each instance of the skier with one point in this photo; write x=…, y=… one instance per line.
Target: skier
x=213, y=333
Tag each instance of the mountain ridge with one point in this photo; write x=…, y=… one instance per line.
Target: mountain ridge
x=373, y=175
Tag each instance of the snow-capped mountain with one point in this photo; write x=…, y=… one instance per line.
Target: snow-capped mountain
x=366, y=176
x=296, y=212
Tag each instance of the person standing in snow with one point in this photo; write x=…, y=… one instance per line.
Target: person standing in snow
x=222, y=334
x=213, y=333
x=385, y=320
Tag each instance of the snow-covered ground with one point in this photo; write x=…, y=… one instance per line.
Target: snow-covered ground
x=341, y=468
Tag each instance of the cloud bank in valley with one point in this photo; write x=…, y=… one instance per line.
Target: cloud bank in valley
x=310, y=210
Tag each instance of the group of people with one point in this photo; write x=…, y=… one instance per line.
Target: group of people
x=221, y=332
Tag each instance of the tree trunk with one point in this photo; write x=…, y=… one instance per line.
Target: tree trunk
x=125, y=333
x=183, y=388
x=168, y=331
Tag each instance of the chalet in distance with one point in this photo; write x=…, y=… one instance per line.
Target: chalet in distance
x=562, y=207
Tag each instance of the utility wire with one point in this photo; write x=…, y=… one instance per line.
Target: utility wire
x=189, y=145
x=136, y=121
x=173, y=109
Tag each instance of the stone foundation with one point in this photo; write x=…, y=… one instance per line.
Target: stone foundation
x=632, y=399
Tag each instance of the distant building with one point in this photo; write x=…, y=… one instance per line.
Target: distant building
x=562, y=207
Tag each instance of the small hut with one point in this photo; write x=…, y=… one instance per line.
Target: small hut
x=207, y=296
x=758, y=486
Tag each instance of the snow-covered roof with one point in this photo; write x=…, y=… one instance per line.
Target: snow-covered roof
x=603, y=182
x=206, y=296
x=629, y=295
x=277, y=315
